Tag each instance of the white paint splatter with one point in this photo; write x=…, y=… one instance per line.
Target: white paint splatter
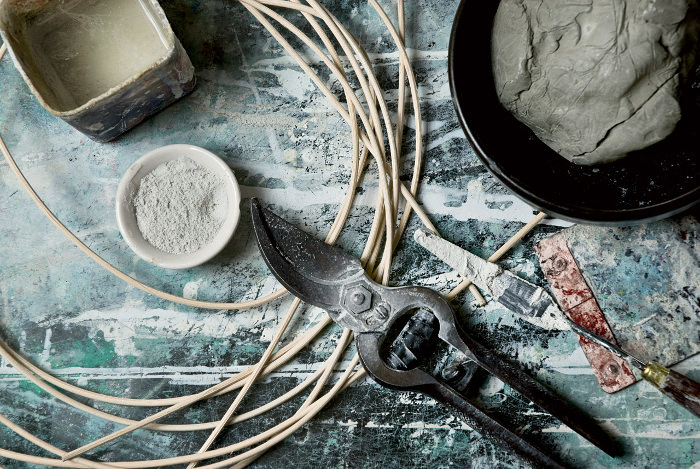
x=493, y=386
x=665, y=430
x=290, y=154
x=194, y=375
x=574, y=363
x=293, y=83
x=371, y=424
x=191, y=289
x=46, y=352
x=125, y=325
x=437, y=426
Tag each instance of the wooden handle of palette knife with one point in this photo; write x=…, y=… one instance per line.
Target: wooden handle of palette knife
x=678, y=387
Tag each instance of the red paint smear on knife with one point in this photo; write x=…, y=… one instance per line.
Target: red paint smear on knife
x=576, y=300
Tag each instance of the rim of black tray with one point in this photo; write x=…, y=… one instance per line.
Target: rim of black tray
x=639, y=188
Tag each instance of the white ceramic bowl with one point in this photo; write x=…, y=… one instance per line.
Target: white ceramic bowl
x=126, y=218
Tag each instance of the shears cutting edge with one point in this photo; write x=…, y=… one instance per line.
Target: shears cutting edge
x=396, y=327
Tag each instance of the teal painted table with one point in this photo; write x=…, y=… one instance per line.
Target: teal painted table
x=257, y=110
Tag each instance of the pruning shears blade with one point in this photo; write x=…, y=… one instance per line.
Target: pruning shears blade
x=311, y=270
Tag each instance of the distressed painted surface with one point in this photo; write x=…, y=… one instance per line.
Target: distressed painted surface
x=647, y=281
x=256, y=109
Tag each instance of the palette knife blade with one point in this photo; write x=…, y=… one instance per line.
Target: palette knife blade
x=527, y=300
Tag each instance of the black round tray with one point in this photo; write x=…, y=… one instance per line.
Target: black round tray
x=650, y=184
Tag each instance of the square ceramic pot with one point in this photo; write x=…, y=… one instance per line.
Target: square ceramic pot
x=103, y=66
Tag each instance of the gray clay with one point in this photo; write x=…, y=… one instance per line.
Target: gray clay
x=594, y=79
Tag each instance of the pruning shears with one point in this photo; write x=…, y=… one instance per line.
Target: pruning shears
x=396, y=329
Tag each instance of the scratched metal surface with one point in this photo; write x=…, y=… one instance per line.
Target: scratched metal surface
x=256, y=109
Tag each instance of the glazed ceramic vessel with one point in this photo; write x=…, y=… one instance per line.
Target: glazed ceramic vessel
x=113, y=108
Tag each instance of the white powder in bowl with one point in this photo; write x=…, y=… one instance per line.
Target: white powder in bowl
x=180, y=206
